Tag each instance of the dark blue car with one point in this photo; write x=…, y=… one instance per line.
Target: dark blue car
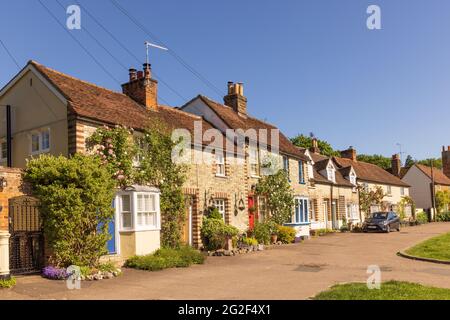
x=382, y=221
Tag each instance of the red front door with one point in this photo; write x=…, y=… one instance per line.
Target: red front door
x=251, y=213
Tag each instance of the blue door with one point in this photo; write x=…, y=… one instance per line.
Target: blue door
x=112, y=231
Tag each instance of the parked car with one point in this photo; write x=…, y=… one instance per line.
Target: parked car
x=382, y=221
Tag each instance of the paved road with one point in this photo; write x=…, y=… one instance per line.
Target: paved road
x=287, y=272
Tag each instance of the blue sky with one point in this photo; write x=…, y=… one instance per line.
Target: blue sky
x=308, y=66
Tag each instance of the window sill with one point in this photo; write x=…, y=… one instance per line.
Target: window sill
x=294, y=224
x=255, y=177
x=222, y=176
x=139, y=230
x=37, y=153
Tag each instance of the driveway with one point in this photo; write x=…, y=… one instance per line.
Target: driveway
x=287, y=272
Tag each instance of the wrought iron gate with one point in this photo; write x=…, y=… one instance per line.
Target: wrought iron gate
x=27, y=241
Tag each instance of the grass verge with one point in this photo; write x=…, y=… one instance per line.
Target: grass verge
x=434, y=248
x=392, y=290
x=166, y=258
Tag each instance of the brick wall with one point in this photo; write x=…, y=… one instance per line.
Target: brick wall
x=15, y=187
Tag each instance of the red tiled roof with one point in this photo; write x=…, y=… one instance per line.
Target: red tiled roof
x=439, y=176
x=96, y=103
x=370, y=172
x=235, y=121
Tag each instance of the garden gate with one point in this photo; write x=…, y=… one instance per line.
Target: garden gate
x=26, y=250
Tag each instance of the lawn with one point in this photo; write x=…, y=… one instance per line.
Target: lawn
x=435, y=248
x=392, y=290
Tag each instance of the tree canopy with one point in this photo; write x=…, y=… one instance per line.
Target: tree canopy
x=376, y=159
x=306, y=142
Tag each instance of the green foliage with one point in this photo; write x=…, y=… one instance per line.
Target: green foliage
x=405, y=202
x=75, y=203
x=367, y=198
x=437, y=162
x=323, y=232
x=158, y=169
x=182, y=257
x=214, y=213
x=409, y=162
x=279, y=196
x=443, y=217
x=7, y=284
x=392, y=290
x=107, y=267
x=215, y=233
x=306, y=142
x=422, y=217
x=116, y=149
x=376, y=159
x=442, y=200
x=286, y=234
x=263, y=231
x=249, y=241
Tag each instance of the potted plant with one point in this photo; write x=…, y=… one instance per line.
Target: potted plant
x=273, y=227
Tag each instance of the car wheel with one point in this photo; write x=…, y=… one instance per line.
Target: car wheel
x=398, y=229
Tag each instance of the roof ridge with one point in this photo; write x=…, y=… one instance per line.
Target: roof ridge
x=180, y=111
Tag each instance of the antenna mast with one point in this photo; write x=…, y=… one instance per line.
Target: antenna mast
x=148, y=45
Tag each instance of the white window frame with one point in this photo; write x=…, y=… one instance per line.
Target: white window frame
x=389, y=190
x=402, y=191
x=220, y=164
x=304, y=219
x=220, y=205
x=121, y=212
x=140, y=144
x=331, y=173
x=146, y=212
x=40, y=136
x=2, y=143
x=254, y=161
x=134, y=212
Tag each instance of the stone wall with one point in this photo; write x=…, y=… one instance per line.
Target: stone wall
x=14, y=188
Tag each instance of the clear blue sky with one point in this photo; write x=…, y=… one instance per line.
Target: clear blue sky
x=308, y=66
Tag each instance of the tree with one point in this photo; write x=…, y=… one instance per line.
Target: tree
x=279, y=197
x=303, y=141
x=437, y=162
x=442, y=200
x=368, y=198
x=75, y=204
x=409, y=162
x=376, y=159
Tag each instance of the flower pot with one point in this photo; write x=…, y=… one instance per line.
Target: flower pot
x=273, y=238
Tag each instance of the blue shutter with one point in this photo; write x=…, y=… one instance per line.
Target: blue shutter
x=112, y=231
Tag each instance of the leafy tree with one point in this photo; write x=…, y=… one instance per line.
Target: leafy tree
x=437, y=163
x=279, y=197
x=368, y=198
x=442, y=200
x=376, y=159
x=303, y=141
x=405, y=202
x=75, y=204
x=409, y=162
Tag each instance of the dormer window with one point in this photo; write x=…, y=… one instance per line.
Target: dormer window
x=331, y=173
x=353, y=178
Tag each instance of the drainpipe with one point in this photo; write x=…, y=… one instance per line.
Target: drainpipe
x=8, y=136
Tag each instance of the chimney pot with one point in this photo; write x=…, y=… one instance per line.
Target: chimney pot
x=315, y=146
x=133, y=74
x=236, y=99
x=142, y=88
x=140, y=74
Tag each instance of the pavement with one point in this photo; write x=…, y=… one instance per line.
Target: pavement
x=290, y=272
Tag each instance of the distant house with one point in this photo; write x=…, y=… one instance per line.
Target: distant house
x=371, y=176
x=421, y=178
x=333, y=191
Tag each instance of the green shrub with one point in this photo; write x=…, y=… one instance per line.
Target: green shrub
x=443, y=217
x=75, y=203
x=249, y=241
x=263, y=232
x=6, y=284
x=86, y=271
x=107, y=267
x=215, y=233
x=286, y=234
x=214, y=213
x=167, y=258
x=422, y=217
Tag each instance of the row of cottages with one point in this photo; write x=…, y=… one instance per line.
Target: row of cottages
x=425, y=182
x=53, y=113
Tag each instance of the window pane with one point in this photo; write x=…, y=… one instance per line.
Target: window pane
x=35, y=143
x=126, y=203
x=126, y=220
x=45, y=140
x=140, y=203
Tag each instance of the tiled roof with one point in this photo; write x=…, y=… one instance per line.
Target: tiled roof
x=370, y=172
x=106, y=106
x=439, y=176
x=234, y=121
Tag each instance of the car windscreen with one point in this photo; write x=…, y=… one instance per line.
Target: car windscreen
x=380, y=215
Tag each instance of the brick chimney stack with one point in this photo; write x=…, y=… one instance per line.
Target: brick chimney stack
x=350, y=153
x=315, y=146
x=142, y=88
x=446, y=161
x=396, y=165
x=236, y=99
